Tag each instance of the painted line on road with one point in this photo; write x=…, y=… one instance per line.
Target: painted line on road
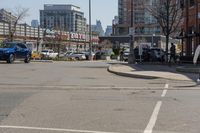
x=153, y=119
x=56, y=87
x=166, y=86
x=165, y=90
x=154, y=116
x=52, y=129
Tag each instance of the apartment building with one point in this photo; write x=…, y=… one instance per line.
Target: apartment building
x=143, y=22
x=6, y=16
x=144, y=26
x=65, y=17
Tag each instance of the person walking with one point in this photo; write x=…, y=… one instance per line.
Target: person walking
x=122, y=55
x=196, y=55
x=172, y=53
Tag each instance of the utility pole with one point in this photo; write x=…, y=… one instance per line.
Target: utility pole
x=131, y=57
x=167, y=28
x=38, y=38
x=187, y=29
x=90, y=32
x=197, y=24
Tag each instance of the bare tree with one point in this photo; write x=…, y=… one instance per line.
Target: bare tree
x=168, y=14
x=20, y=13
x=106, y=44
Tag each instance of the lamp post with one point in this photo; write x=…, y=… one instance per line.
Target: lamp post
x=90, y=31
x=197, y=23
x=131, y=57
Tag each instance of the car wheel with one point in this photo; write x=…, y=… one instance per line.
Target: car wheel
x=11, y=58
x=27, y=59
x=77, y=58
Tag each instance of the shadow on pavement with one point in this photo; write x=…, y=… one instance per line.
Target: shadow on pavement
x=193, y=75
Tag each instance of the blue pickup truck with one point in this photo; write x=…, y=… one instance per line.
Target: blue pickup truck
x=11, y=51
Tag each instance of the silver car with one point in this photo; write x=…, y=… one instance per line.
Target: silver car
x=77, y=56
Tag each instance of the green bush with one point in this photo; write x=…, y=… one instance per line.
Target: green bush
x=116, y=51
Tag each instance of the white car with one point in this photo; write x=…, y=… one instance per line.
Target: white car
x=77, y=56
x=49, y=53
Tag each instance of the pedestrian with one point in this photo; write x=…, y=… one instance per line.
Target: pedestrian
x=122, y=55
x=172, y=53
x=196, y=55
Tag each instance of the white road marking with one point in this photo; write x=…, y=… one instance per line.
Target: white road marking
x=165, y=90
x=166, y=86
x=78, y=87
x=51, y=129
x=154, y=116
x=164, y=93
x=153, y=119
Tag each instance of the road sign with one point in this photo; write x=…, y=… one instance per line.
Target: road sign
x=131, y=31
x=140, y=49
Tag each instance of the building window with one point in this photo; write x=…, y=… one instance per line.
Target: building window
x=192, y=3
x=182, y=4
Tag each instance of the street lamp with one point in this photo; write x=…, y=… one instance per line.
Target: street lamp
x=131, y=57
x=90, y=31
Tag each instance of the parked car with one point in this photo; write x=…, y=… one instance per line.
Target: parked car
x=77, y=56
x=48, y=54
x=99, y=54
x=126, y=54
x=145, y=54
x=11, y=51
x=35, y=55
x=157, y=54
x=87, y=54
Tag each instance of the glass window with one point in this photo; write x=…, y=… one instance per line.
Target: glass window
x=8, y=45
x=20, y=45
x=192, y=2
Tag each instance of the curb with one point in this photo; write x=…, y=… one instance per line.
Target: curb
x=188, y=69
x=132, y=75
x=45, y=61
x=109, y=69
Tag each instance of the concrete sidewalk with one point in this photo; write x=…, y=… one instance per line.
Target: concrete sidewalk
x=148, y=71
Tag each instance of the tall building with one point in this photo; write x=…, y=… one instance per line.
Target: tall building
x=64, y=17
x=6, y=16
x=34, y=23
x=115, y=20
x=98, y=28
x=124, y=16
x=143, y=22
x=108, y=31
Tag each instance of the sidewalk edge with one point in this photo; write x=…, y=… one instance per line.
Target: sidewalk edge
x=109, y=69
x=132, y=75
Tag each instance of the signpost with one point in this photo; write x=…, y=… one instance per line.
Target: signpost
x=140, y=52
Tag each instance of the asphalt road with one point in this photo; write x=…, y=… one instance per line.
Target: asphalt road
x=82, y=97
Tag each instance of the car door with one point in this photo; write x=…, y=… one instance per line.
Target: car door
x=22, y=50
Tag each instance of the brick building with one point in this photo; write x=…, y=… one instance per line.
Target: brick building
x=190, y=34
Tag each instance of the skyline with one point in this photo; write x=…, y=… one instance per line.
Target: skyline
x=103, y=12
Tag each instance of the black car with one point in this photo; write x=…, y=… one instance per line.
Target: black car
x=157, y=54
x=145, y=54
x=11, y=51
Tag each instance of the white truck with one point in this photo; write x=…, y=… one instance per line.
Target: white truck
x=49, y=54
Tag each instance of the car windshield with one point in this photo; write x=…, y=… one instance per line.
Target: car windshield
x=45, y=51
x=7, y=45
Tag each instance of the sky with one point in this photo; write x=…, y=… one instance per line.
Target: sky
x=103, y=10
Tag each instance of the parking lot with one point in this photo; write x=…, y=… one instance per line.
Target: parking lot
x=82, y=97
